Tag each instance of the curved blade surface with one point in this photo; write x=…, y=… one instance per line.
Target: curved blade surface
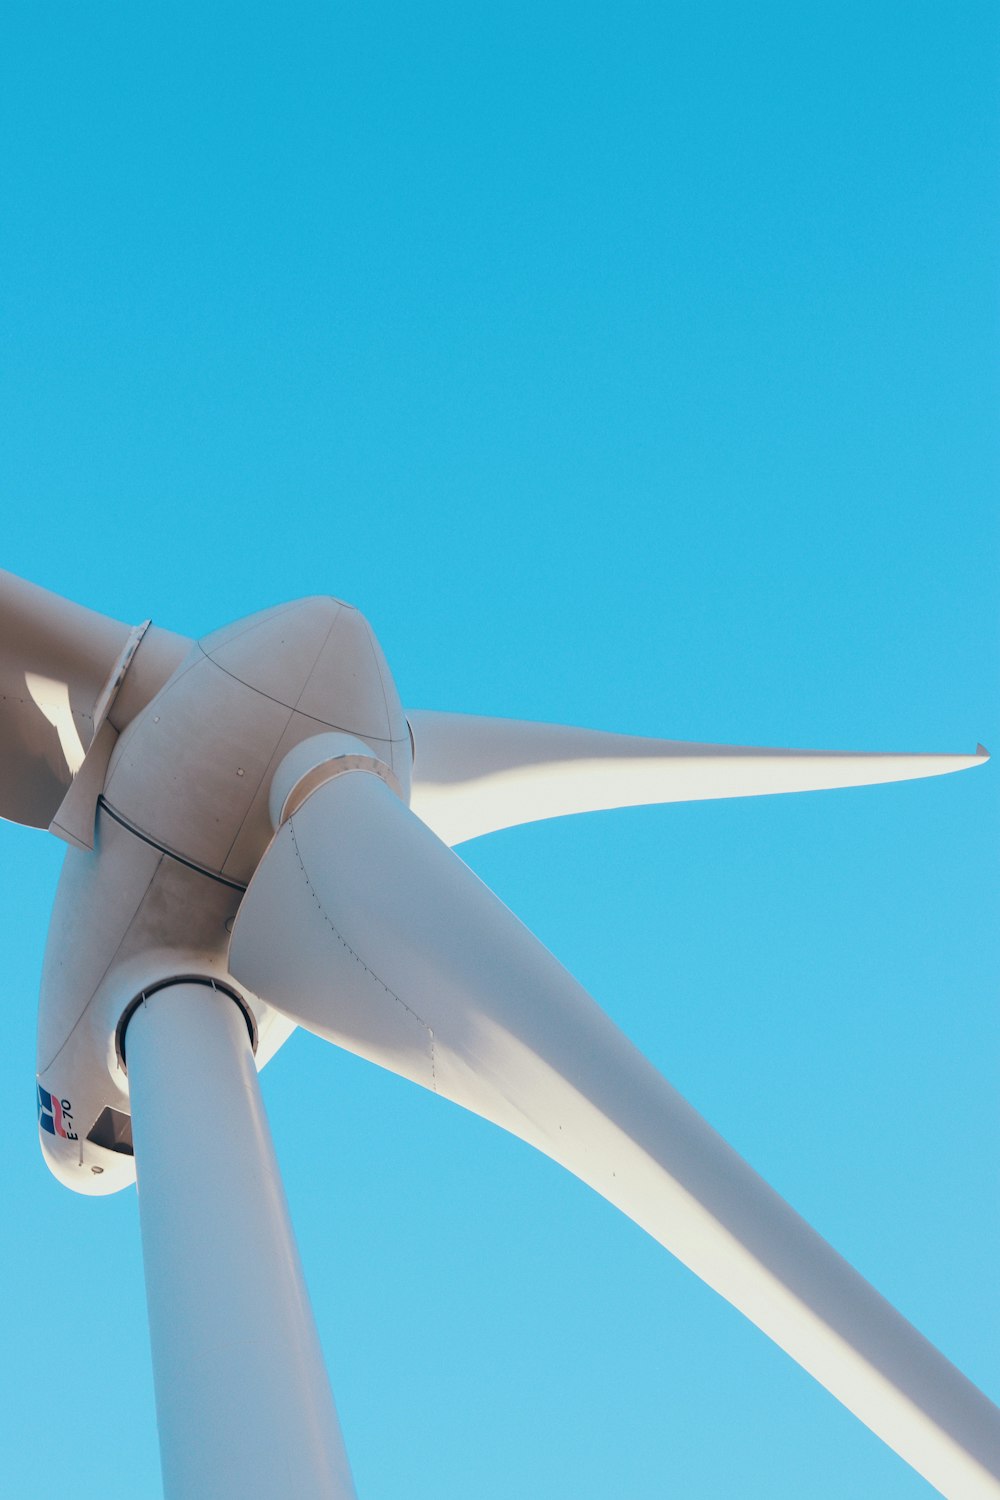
x=363, y=927
x=474, y=775
x=55, y=657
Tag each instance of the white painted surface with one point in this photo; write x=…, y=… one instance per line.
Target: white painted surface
x=51, y=698
x=193, y=770
x=54, y=659
x=316, y=760
x=61, y=668
x=126, y=917
x=473, y=775
x=362, y=926
x=243, y=1401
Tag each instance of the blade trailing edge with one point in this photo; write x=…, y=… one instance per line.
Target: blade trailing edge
x=474, y=775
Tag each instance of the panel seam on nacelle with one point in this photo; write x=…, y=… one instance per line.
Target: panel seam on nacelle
x=381, y=679
x=315, y=660
x=382, y=739
x=235, y=885
x=263, y=777
x=108, y=966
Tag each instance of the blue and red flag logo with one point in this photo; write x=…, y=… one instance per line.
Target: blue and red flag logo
x=55, y=1115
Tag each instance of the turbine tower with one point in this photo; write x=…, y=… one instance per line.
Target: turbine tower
x=260, y=838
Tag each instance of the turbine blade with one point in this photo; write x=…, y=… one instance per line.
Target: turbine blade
x=473, y=775
x=55, y=657
x=363, y=927
x=61, y=669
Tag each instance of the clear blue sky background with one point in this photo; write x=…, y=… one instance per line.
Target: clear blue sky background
x=629, y=365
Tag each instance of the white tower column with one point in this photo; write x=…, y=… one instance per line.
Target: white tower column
x=243, y=1401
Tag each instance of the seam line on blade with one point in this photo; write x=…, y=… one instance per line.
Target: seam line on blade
x=356, y=956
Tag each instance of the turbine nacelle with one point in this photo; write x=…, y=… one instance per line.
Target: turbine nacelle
x=182, y=818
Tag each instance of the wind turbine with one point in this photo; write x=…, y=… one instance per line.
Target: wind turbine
x=259, y=839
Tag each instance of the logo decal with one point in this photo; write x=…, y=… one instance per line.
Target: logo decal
x=55, y=1115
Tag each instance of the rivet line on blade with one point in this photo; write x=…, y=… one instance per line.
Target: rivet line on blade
x=357, y=957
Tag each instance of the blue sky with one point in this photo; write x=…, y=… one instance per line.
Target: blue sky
x=631, y=366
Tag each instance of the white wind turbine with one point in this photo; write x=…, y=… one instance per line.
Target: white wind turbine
x=258, y=840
